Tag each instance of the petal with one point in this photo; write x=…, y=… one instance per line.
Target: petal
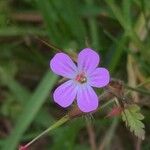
x=87, y=99
x=61, y=64
x=65, y=94
x=99, y=77
x=88, y=60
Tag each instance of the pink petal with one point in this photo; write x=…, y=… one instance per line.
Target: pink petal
x=61, y=64
x=87, y=99
x=65, y=94
x=99, y=77
x=88, y=60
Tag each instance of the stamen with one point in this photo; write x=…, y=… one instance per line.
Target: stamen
x=81, y=78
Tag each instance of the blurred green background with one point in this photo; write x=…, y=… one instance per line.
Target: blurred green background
x=117, y=30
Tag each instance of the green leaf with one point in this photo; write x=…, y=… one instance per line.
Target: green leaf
x=133, y=119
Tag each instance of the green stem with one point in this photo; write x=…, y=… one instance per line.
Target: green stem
x=59, y=123
x=106, y=104
x=138, y=90
x=147, y=81
x=54, y=126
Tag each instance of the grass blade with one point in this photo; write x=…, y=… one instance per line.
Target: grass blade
x=30, y=110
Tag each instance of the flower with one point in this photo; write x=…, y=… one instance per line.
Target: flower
x=82, y=78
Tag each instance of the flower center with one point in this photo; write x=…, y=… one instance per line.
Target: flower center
x=81, y=78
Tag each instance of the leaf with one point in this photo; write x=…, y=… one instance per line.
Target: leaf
x=133, y=119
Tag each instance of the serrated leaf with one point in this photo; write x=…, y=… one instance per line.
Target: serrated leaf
x=133, y=119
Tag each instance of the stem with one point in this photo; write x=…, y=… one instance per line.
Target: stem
x=147, y=81
x=49, y=44
x=54, y=126
x=69, y=116
x=106, y=104
x=138, y=90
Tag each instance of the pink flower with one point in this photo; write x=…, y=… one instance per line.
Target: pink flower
x=82, y=78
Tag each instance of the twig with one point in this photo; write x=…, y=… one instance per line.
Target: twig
x=137, y=90
x=49, y=45
x=27, y=17
x=138, y=144
x=58, y=50
x=91, y=134
x=109, y=135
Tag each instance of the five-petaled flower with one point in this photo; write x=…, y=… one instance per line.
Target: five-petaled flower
x=82, y=78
